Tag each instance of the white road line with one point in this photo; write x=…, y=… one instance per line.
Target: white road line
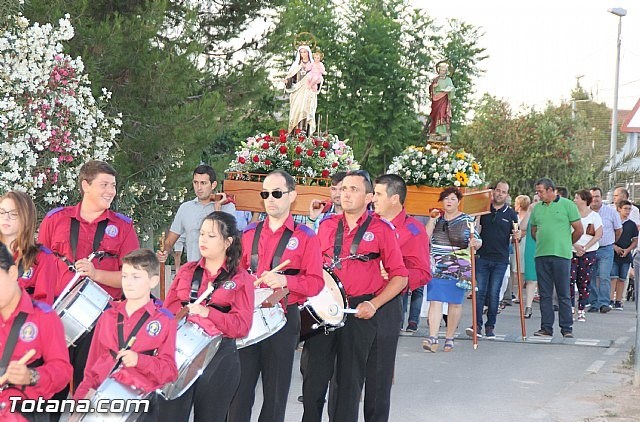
x=611, y=351
x=596, y=366
x=621, y=340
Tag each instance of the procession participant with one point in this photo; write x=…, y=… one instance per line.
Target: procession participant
x=317, y=212
x=74, y=232
x=28, y=325
x=264, y=246
x=149, y=363
x=229, y=309
x=356, y=243
x=39, y=270
x=390, y=192
x=191, y=213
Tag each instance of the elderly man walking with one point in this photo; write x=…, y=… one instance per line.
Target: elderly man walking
x=551, y=222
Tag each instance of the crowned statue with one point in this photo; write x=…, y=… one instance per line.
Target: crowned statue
x=303, y=82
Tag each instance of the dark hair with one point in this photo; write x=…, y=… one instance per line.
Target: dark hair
x=228, y=227
x=6, y=260
x=25, y=244
x=368, y=186
x=206, y=169
x=623, y=203
x=546, y=182
x=585, y=195
x=596, y=188
x=91, y=169
x=562, y=191
x=623, y=190
x=394, y=184
x=337, y=177
x=448, y=191
x=289, y=181
x=143, y=259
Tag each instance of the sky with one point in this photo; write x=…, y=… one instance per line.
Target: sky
x=537, y=48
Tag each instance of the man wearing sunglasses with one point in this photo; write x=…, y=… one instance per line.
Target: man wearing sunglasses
x=356, y=243
x=264, y=246
x=492, y=259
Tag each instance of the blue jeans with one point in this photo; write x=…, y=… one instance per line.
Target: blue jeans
x=415, y=307
x=554, y=271
x=489, y=276
x=600, y=290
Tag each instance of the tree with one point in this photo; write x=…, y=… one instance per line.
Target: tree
x=520, y=148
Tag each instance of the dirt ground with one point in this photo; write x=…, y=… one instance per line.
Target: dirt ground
x=621, y=404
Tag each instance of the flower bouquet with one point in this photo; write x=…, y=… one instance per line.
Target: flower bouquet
x=311, y=160
x=426, y=170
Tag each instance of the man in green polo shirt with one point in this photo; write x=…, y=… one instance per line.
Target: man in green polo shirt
x=551, y=222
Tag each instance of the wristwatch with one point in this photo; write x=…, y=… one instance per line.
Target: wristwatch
x=34, y=377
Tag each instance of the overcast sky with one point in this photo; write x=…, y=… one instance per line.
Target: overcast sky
x=537, y=48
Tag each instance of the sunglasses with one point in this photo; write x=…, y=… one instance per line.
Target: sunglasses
x=361, y=173
x=277, y=194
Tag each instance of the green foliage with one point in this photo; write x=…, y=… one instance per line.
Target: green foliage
x=522, y=148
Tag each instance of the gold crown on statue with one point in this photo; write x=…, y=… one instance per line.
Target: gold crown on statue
x=304, y=39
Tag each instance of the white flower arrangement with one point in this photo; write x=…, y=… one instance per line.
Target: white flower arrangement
x=438, y=168
x=50, y=123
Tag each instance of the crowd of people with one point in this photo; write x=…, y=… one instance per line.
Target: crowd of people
x=362, y=241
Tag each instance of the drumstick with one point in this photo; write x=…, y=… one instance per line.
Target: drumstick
x=349, y=311
x=127, y=347
x=274, y=270
x=22, y=361
x=185, y=310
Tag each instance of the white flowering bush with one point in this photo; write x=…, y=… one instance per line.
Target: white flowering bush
x=50, y=123
x=305, y=157
x=439, y=168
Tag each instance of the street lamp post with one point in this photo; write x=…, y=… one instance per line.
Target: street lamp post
x=619, y=12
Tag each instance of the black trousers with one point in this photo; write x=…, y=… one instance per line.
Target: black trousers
x=78, y=357
x=273, y=358
x=381, y=362
x=349, y=348
x=211, y=394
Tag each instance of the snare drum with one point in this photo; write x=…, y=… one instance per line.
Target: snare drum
x=194, y=351
x=324, y=311
x=111, y=389
x=266, y=321
x=80, y=309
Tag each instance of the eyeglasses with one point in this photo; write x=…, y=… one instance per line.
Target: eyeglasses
x=13, y=214
x=277, y=194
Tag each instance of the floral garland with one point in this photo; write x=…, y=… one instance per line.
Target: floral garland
x=304, y=157
x=438, y=168
x=50, y=123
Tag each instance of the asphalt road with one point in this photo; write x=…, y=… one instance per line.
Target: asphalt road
x=505, y=379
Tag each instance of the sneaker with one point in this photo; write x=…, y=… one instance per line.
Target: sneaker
x=505, y=303
x=611, y=303
x=618, y=306
x=543, y=333
x=604, y=309
x=567, y=334
x=469, y=331
x=412, y=327
x=489, y=334
x=593, y=309
x=582, y=317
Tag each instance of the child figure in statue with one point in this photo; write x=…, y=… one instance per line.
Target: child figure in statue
x=316, y=70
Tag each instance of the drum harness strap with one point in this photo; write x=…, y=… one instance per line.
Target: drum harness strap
x=277, y=255
x=74, y=234
x=196, y=281
x=122, y=344
x=337, y=245
x=10, y=345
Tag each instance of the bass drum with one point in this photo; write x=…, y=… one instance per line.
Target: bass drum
x=324, y=311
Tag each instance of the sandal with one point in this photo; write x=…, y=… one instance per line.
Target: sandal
x=448, y=345
x=430, y=344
